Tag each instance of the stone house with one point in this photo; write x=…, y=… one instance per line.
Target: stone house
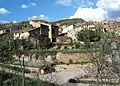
x=45, y=29
x=71, y=31
x=38, y=29
x=2, y=31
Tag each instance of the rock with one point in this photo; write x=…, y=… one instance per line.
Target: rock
x=49, y=59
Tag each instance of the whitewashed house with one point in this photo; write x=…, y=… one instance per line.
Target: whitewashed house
x=2, y=31
x=72, y=30
x=22, y=35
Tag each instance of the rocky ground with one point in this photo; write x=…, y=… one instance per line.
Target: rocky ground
x=65, y=75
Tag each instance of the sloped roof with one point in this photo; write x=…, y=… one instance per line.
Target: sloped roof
x=25, y=30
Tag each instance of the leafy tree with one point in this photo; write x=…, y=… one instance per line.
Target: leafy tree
x=85, y=35
x=10, y=47
x=6, y=48
x=88, y=36
x=44, y=43
x=21, y=46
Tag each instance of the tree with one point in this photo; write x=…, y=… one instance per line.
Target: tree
x=88, y=36
x=6, y=48
x=44, y=43
x=21, y=46
x=21, y=49
x=106, y=56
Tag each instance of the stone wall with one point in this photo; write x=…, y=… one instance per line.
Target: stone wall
x=75, y=57
x=61, y=57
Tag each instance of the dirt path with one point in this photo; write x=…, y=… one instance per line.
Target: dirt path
x=57, y=77
x=64, y=76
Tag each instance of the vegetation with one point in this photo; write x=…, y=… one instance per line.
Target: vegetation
x=6, y=48
x=9, y=79
x=20, y=25
x=69, y=21
x=101, y=46
x=107, y=66
x=88, y=36
x=19, y=47
x=44, y=43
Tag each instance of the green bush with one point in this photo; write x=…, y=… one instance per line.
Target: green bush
x=70, y=61
x=88, y=36
x=44, y=43
x=9, y=79
x=61, y=62
x=65, y=47
x=77, y=45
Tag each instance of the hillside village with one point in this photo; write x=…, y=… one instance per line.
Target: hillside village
x=54, y=30
x=71, y=49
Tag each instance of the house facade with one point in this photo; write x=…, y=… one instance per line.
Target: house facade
x=45, y=29
x=2, y=31
x=71, y=31
x=38, y=29
x=22, y=35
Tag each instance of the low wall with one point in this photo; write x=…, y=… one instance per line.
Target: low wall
x=73, y=57
x=62, y=57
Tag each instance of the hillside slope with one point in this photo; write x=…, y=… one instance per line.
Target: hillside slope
x=25, y=24
x=69, y=21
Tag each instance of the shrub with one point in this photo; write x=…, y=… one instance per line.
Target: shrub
x=70, y=61
x=61, y=62
x=44, y=43
x=37, y=56
x=88, y=36
x=77, y=46
x=65, y=47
